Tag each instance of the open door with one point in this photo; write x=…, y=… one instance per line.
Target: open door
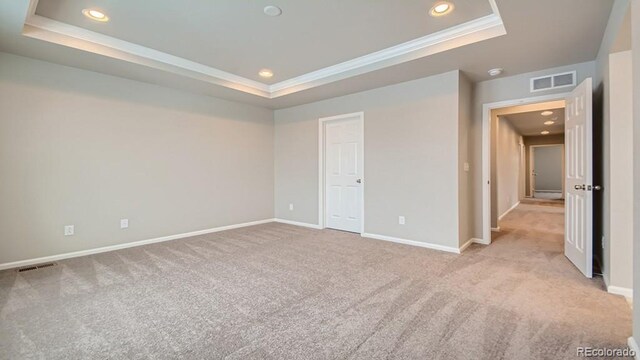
x=578, y=235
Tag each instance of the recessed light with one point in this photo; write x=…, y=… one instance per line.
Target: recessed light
x=96, y=15
x=265, y=73
x=549, y=122
x=495, y=72
x=271, y=10
x=546, y=113
x=545, y=132
x=441, y=8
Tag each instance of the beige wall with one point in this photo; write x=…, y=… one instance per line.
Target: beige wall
x=81, y=148
x=636, y=172
x=507, y=165
x=536, y=140
x=620, y=212
x=548, y=165
x=616, y=38
x=411, y=154
x=465, y=146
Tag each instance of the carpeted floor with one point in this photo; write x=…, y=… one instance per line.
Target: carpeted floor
x=282, y=292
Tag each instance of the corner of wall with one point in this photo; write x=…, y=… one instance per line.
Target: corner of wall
x=465, y=175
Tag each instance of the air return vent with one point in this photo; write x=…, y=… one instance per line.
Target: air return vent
x=35, y=267
x=555, y=81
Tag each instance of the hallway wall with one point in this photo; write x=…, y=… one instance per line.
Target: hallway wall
x=507, y=166
x=536, y=140
x=547, y=163
x=636, y=168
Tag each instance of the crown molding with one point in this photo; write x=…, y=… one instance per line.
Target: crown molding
x=57, y=32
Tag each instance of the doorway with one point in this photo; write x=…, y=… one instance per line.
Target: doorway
x=341, y=172
x=523, y=125
x=579, y=187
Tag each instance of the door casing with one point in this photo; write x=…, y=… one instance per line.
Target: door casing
x=487, y=108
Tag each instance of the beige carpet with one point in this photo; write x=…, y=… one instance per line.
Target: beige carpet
x=283, y=292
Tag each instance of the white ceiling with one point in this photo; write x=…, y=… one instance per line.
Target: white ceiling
x=237, y=37
x=532, y=123
x=234, y=37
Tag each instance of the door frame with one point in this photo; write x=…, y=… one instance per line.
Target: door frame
x=321, y=165
x=532, y=162
x=487, y=108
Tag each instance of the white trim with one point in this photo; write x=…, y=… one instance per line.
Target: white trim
x=16, y=264
x=297, y=223
x=508, y=211
x=321, y=175
x=634, y=346
x=464, y=246
x=493, y=229
x=412, y=243
x=473, y=31
x=480, y=241
x=469, y=242
x=486, y=151
x=617, y=290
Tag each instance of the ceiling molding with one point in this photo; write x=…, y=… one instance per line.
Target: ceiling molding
x=57, y=32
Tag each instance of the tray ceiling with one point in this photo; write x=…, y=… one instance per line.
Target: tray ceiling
x=226, y=42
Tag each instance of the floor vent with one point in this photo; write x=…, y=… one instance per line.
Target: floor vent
x=555, y=81
x=35, y=267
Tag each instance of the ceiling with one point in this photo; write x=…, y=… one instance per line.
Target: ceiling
x=317, y=50
x=237, y=37
x=532, y=123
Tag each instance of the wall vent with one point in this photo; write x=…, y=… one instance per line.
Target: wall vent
x=555, y=81
x=35, y=267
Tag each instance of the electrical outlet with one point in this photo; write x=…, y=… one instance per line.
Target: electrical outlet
x=69, y=230
x=124, y=223
x=290, y=207
x=466, y=166
x=401, y=220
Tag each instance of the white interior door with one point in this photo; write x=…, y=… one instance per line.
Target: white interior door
x=578, y=238
x=343, y=174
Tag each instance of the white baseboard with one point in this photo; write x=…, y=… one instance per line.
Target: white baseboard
x=450, y=249
x=469, y=242
x=508, y=211
x=482, y=241
x=496, y=229
x=21, y=263
x=464, y=246
x=634, y=346
x=296, y=223
x=617, y=290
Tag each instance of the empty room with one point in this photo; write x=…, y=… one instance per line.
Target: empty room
x=336, y=179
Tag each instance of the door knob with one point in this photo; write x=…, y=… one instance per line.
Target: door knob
x=579, y=187
x=597, y=187
x=359, y=181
